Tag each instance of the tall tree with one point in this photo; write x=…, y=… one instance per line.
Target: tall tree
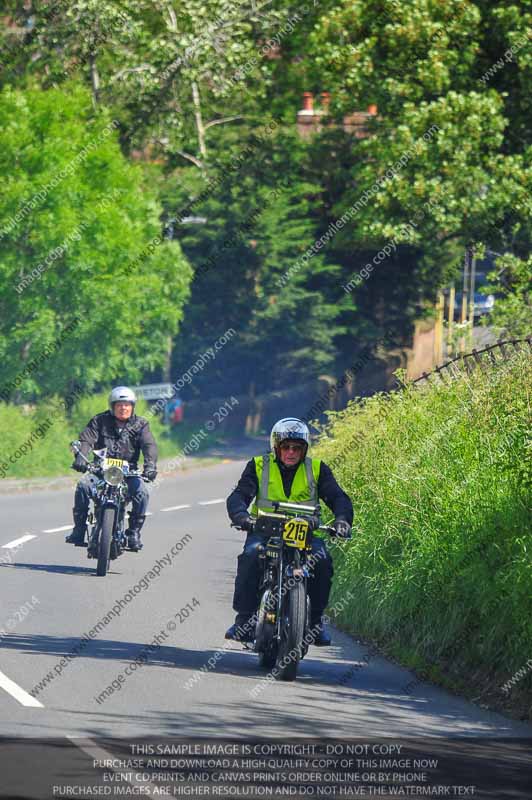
x=154, y=61
x=88, y=289
x=251, y=273
x=447, y=163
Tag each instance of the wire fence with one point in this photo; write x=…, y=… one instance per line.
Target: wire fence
x=478, y=359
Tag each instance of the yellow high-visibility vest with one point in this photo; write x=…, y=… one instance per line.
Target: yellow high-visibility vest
x=304, y=488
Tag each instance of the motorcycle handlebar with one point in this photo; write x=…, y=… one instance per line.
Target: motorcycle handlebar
x=331, y=530
x=95, y=469
x=323, y=528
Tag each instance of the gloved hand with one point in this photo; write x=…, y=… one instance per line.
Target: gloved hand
x=149, y=474
x=342, y=528
x=244, y=520
x=314, y=522
x=80, y=465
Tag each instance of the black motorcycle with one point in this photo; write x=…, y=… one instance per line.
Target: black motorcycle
x=107, y=539
x=282, y=632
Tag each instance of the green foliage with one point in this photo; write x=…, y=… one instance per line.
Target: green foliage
x=146, y=59
x=440, y=562
x=512, y=313
x=190, y=82
x=391, y=52
x=76, y=265
x=46, y=453
x=462, y=67
x=260, y=221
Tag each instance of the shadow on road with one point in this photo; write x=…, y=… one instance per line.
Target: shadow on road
x=234, y=661
x=364, y=699
x=59, y=569
x=297, y=713
x=237, y=662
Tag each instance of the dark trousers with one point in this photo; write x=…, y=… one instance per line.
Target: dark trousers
x=246, y=597
x=136, y=491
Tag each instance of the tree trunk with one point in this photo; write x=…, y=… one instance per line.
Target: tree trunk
x=167, y=367
x=95, y=79
x=199, y=120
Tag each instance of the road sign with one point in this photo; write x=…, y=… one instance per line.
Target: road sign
x=155, y=391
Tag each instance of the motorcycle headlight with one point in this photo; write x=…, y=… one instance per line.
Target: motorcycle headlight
x=113, y=476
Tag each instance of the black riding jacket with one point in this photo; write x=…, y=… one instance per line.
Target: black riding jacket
x=124, y=442
x=328, y=490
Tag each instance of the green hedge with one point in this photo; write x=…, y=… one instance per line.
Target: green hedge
x=45, y=431
x=440, y=566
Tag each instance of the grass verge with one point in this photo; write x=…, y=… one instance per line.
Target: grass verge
x=35, y=439
x=440, y=566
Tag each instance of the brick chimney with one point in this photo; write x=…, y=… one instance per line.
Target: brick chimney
x=311, y=120
x=306, y=118
x=308, y=103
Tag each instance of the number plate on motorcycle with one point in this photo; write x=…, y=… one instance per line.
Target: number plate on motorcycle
x=295, y=533
x=114, y=462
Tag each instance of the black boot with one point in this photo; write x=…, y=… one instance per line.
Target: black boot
x=77, y=536
x=133, y=533
x=319, y=632
x=243, y=629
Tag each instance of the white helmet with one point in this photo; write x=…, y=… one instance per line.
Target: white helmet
x=123, y=393
x=289, y=428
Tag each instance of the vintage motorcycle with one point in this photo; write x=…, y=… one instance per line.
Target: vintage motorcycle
x=282, y=632
x=107, y=539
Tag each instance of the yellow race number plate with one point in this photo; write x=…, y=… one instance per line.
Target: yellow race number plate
x=114, y=462
x=295, y=533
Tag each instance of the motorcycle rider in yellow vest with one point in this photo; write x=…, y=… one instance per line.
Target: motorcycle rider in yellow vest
x=285, y=474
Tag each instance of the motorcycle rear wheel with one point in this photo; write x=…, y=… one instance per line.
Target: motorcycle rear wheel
x=292, y=632
x=104, y=546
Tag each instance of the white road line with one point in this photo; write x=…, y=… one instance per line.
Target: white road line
x=97, y=753
x=58, y=530
x=176, y=508
x=19, y=694
x=211, y=502
x=18, y=542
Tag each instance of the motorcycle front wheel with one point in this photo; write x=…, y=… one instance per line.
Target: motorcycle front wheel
x=292, y=632
x=265, y=643
x=104, y=545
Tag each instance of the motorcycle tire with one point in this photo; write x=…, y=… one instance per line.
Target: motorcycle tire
x=265, y=644
x=292, y=632
x=104, y=545
x=267, y=658
x=304, y=649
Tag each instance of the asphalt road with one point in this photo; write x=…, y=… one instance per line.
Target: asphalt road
x=189, y=509
x=50, y=598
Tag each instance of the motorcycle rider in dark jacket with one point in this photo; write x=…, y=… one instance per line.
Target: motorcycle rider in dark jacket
x=125, y=436
x=290, y=474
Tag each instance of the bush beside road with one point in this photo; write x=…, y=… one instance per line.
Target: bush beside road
x=35, y=439
x=440, y=562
